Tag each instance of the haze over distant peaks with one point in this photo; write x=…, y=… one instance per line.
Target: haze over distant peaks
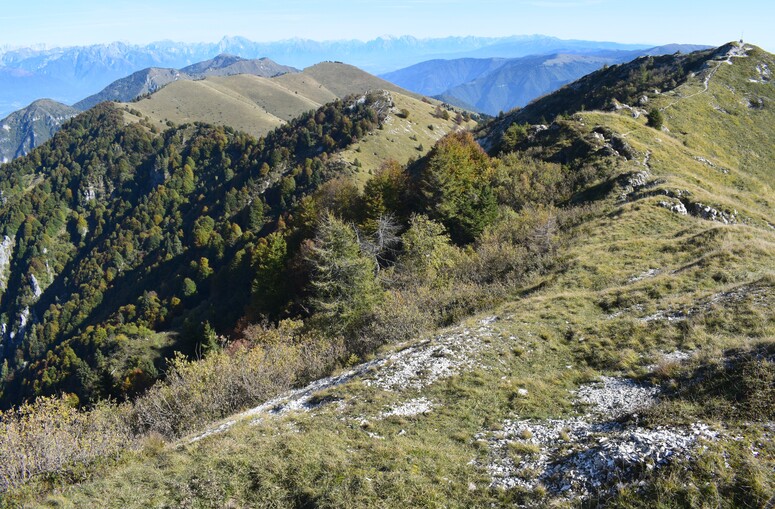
x=152, y=79
x=70, y=74
x=491, y=85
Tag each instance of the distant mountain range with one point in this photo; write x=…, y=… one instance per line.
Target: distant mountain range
x=152, y=79
x=28, y=127
x=69, y=74
x=485, y=85
x=492, y=85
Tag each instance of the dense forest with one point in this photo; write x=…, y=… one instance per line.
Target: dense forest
x=115, y=231
x=128, y=244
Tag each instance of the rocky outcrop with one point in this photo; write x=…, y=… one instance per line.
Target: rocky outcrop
x=711, y=164
x=680, y=204
x=711, y=214
x=612, y=143
x=674, y=206
x=6, y=253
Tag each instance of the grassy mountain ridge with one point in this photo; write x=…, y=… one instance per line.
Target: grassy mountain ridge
x=621, y=284
x=256, y=105
x=343, y=78
x=148, y=81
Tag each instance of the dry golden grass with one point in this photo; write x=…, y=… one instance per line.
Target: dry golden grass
x=401, y=138
x=257, y=105
x=343, y=79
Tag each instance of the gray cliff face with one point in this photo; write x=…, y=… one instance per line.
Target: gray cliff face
x=28, y=128
x=6, y=252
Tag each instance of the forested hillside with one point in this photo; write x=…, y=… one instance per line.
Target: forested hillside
x=569, y=307
x=114, y=231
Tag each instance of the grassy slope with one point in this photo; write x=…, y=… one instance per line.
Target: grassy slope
x=257, y=105
x=213, y=101
x=306, y=86
x=401, y=138
x=253, y=104
x=582, y=320
x=720, y=125
x=343, y=79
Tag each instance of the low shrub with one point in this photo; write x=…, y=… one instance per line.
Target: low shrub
x=51, y=436
x=265, y=362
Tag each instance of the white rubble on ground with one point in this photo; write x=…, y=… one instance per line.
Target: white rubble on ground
x=421, y=365
x=447, y=354
x=644, y=275
x=213, y=431
x=670, y=357
x=613, y=397
x=577, y=457
x=409, y=408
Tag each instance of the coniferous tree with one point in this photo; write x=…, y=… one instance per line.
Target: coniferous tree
x=344, y=284
x=655, y=119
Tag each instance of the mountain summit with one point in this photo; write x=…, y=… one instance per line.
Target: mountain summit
x=227, y=65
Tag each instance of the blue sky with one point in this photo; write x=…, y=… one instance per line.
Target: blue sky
x=76, y=22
